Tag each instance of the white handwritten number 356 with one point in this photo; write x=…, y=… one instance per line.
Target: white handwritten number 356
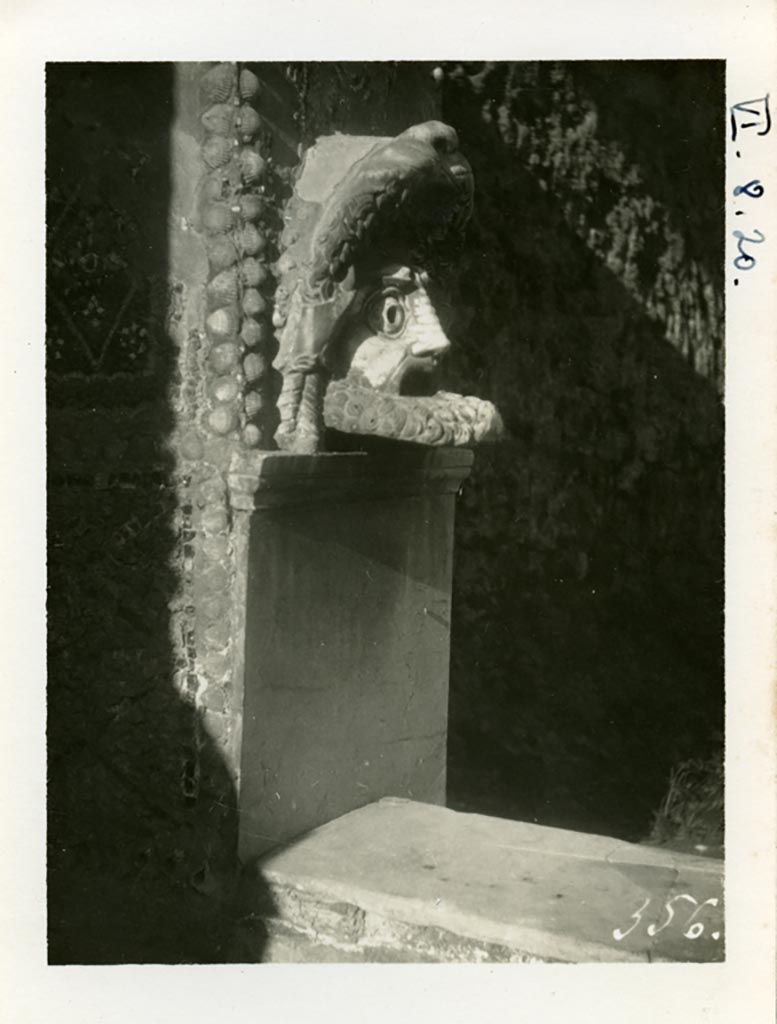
x=693, y=930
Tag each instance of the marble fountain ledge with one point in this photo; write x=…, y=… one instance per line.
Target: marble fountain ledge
x=399, y=880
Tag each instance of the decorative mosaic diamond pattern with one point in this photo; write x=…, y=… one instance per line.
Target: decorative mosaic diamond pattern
x=101, y=312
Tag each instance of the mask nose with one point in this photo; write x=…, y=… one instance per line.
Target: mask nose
x=429, y=346
x=430, y=339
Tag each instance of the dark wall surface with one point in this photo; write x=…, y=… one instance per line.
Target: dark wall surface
x=587, y=637
x=139, y=834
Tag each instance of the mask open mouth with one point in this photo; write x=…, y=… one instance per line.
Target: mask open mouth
x=420, y=378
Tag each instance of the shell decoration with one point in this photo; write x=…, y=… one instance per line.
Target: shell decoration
x=232, y=207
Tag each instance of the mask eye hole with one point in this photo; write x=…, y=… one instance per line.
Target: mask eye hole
x=387, y=315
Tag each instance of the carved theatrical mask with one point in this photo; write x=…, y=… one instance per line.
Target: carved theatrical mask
x=392, y=336
x=386, y=365
x=361, y=343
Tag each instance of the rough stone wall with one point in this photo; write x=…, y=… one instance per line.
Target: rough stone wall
x=587, y=634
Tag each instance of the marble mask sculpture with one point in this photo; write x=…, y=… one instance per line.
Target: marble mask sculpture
x=361, y=343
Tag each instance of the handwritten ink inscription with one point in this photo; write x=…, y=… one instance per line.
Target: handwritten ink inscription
x=692, y=928
x=754, y=117
x=753, y=189
x=744, y=261
x=751, y=114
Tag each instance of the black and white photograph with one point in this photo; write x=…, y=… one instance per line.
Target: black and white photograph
x=390, y=417
x=385, y=524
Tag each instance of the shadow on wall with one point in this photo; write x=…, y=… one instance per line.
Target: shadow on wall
x=588, y=593
x=141, y=809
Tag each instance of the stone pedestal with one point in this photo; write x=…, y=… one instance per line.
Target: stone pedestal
x=348, y=563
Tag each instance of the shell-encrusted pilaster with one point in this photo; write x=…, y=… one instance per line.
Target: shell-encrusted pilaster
x=235, y=217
